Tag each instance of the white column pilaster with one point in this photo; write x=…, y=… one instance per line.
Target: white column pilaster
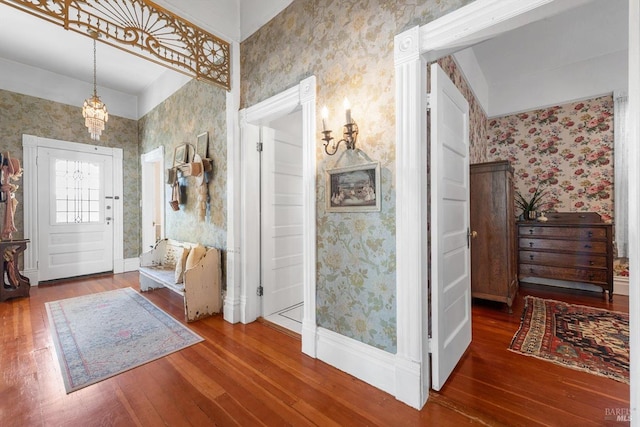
x=412, y=369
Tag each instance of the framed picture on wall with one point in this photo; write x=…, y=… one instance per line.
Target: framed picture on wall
x=353, y=188
x=202, y=145
x=181, y=155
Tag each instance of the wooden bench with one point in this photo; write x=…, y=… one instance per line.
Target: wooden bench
x=201, y=281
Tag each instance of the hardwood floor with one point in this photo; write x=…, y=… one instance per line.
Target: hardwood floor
x=255, y=375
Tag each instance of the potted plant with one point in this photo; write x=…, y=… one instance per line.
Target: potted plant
x=530, y=206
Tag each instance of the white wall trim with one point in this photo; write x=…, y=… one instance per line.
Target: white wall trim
x=131, y=264
x=30, y=196
x=30, y=145
x=301, y=96
x=412, y=369
x=232, y=308
x=634, y=209
x=118, y=209
x=367, y=363
x=309, y=138
x=620, y=285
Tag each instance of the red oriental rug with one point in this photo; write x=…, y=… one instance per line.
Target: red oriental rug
x=579, y=337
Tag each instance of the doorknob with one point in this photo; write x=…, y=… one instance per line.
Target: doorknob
x=471, y=235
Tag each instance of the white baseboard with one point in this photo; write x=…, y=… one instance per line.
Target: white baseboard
x=231, y=310
x=620, y=285
x=131, y=264
x=32, y=275
x=309, y=338
x=367, y=363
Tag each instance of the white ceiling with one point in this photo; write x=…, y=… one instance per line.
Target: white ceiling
x=42, y=59
x=576, y=54
x=31, y=41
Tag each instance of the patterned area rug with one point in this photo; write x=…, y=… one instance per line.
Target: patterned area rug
x=579, y=337
x=101, y=335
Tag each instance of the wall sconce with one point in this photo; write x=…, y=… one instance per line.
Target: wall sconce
x=350, y=131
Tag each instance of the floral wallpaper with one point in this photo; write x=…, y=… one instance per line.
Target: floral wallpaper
x=348, y=46
x=193, y=109
x=567, y=150
x=64, y=122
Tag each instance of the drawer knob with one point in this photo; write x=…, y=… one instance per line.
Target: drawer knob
x=587, y=246
x=531, y=270
x=531, y=231
x=591, y=263
x=590, y=234
x=531, y=257
x=530, y=244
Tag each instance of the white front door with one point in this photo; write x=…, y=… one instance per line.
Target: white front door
x=281, y=224
x=75, y=213
x=450, y=254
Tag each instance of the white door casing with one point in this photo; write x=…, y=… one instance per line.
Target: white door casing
x=281, y=216
x=301, y=97
x=75, y=205
x=634, y=210
x=31, y=145
x=413, y=48
x=450, y=253
x=250, y=247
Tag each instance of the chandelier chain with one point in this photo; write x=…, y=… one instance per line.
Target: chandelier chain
x=94, y=110
x=95, y=84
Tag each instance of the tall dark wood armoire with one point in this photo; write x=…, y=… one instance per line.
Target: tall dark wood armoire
x=494, y=256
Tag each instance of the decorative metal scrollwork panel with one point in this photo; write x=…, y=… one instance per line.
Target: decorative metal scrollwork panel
x=144, y=29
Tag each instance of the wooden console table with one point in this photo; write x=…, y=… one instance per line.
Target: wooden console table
x=14, y=284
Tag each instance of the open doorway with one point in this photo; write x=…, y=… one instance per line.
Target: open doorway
x=414, y=48
x=281, y=254
x=152, y=201
x=271, y=118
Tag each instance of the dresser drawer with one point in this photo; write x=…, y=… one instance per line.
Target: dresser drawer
x=564, y=273
x=563, y=259
x=586, y=233
x=563, y=245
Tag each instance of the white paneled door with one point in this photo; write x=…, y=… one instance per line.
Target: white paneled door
x=75, y=213
x=450, y=253
x=282, y=210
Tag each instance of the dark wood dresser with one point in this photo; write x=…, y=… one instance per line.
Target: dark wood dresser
x=569, y=247
x=494, y=269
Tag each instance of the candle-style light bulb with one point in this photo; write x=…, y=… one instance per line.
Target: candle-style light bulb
x=325, y=114
x=347, y=110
